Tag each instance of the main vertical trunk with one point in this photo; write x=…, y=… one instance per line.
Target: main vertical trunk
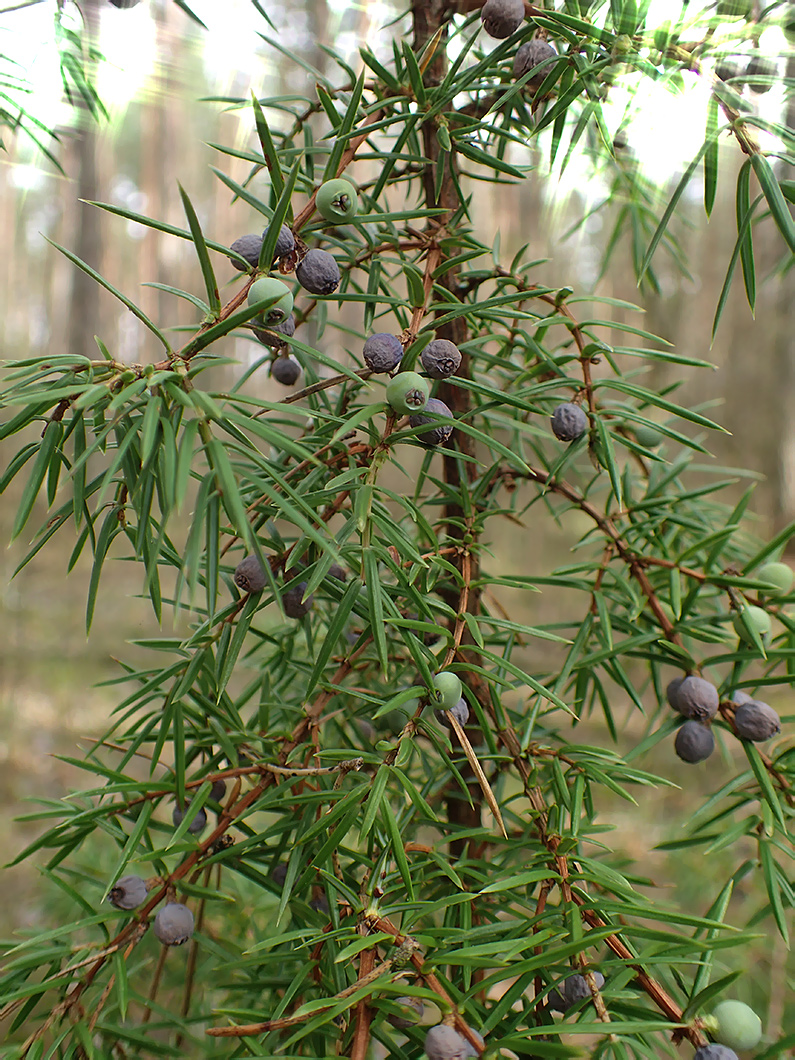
x=429, y=17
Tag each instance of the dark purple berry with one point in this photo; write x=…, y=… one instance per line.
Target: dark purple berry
x=196, y=825
x=440, y=358
x=338, y=572
x=445, y=1043
x=247, y=247
x=218, y=790
x=293, y=601
x=501, y=18
x=571, y=990
x=286, y=370
x=382, y=352
x=756, y=721
x=694, y=742
x=279, y=874
x=531, y=55
x=249, y=575
x=439, y=433
x=272, y=336
x=319, y=272
x=569, y=422
x=285, y=243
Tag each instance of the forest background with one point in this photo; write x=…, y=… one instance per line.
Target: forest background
x=50, y=675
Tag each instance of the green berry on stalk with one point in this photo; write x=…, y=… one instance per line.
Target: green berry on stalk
x=779, y=575
x=734, y=1024
x=448, y=689
x=276, y=294
x=408, y=392
x=647, y=436
x=757, y=618
x=336, y=200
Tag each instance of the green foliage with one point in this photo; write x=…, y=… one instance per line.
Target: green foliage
x=362, y=851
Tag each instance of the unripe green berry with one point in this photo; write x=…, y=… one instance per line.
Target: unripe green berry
x=754, y=616
x=408, y=392
x=780, y=576
x=647, y=436
x=737, y=1025
x=448, y=689
x=336, y=200
x=278, y=297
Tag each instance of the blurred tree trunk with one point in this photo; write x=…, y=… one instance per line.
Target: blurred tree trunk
x=784, y=368
x=84, y=303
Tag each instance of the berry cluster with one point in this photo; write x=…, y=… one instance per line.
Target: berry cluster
x=317, y=271
x=698, y=701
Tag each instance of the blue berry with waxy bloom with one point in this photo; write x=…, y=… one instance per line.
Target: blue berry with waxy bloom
x=694, y=742
x=460, y=712
x=382, y=352
x=408, y=392
x=501, y=18
x=756, y=721
x=286, y=370
x=569, y=422
x=319, y=272
x=196, y=825
x=445, y=1043
x=173, y=924
x=128, y=893
x=697, y=698
x=672, y=692
x=336, y=200
x=440, y=358
x=413, y=1011
x=438, y=433
x=715, y=1052
x=249, y=575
